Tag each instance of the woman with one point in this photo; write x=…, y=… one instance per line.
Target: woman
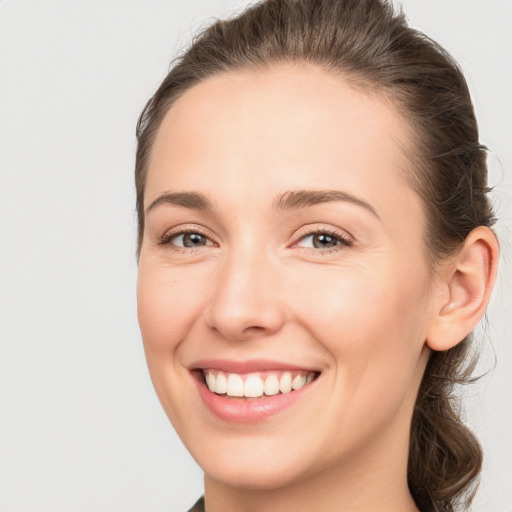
x=314, y=252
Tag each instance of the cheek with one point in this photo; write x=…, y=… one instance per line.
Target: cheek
x=166, y=307
x=374, y=334
x=370, y=320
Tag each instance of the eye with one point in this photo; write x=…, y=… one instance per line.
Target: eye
x=188, y=239
x=323, y=239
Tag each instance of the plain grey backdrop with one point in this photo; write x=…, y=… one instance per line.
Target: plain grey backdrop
x=80, y=426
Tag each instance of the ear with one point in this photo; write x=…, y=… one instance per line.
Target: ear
x=466, y=284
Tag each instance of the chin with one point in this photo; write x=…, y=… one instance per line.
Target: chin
x=253, y=476
x=256, y=463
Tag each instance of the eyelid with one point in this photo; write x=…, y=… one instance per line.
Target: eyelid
x=166, y=238
x=322, y=229
x=345, y=240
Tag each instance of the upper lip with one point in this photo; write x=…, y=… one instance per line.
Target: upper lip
x=249, y=366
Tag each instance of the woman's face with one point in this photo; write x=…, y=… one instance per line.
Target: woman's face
x=283, y=249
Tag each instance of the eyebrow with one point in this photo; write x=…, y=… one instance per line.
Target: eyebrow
x=295, y=199
x=191, y=200
x=290, y=200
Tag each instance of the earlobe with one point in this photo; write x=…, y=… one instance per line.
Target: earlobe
x=467, y=286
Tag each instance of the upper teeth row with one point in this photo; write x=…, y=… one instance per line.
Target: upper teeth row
x=255, y=386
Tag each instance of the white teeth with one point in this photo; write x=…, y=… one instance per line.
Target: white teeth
x=298, y=382
x=221, y=384
x=210, y=381
x=285, y=384
x=235, y=385
x=271, y=385
x=255, y=386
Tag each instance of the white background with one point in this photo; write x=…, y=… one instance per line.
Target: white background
x=80, y=426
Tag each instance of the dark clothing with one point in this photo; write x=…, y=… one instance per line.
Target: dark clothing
x=199, y=506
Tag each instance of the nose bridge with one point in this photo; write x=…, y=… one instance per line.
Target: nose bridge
x=245, y=299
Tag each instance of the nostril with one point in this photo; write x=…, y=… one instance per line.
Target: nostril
x=238, y=330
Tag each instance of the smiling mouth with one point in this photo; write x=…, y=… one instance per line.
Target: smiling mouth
x=256, y=385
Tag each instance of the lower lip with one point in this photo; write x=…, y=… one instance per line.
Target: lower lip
x=250, y=410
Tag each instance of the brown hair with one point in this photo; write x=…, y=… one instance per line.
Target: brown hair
x=369, y=44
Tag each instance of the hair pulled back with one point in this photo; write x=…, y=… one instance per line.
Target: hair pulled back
x=369, y=45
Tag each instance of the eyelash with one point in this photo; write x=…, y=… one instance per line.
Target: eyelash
x=344, y=241
x=166, y=239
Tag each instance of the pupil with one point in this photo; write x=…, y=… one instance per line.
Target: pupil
x=323, y=241
x=193, y=239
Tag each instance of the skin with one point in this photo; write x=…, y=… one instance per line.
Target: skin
x=361, y=314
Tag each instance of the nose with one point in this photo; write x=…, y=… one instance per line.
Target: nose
x=247, y=298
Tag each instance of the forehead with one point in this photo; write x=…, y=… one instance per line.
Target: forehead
x=294, y=126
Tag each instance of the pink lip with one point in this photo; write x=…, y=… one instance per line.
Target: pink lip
x=246, y=410
x=251, y=366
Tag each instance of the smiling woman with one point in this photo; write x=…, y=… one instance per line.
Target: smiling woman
x=314, y=252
